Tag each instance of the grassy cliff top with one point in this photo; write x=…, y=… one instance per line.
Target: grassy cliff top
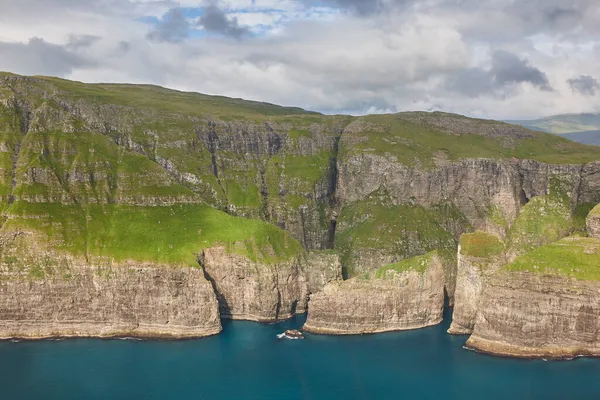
x=595, y=211
x=419, y=264
x=481, y=245
x=428, y=139
x=163, y=234
x=576, y=257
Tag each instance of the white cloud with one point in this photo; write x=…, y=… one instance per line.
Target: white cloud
x=324, y=58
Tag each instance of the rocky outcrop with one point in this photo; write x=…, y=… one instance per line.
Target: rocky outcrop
x=528, y=314
x=593, y=222
x=407, y=295
x=254, y=291
x=266, y=292
x=321, y=268
x=479, y=256
x=47, y=294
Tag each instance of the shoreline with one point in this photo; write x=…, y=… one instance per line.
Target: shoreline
x=499, y=349
x=335, y=332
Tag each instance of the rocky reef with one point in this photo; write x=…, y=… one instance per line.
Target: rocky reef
x=402, y=296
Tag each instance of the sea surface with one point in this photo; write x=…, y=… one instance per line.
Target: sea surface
x=247, y=361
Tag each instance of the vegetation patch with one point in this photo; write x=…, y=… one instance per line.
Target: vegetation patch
x=418, y=264
x=480, y=244
x=398, y=231
x=575, y=256
x=543, y=220
x=168, y=234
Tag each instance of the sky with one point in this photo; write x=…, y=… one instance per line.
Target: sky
x=484, y=58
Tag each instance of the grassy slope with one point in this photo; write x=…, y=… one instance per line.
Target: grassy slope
x=419, y=264
x=97, y=182
x=576, y=257
x=399, y=231
x=543, y=220
x=416, y=144
x=165, y=234
x=481, y=245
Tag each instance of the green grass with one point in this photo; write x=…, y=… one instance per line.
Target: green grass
x=169, y=234
x=481, y=245
x=416, y=144
x=419, y=264
x=576, y=257
x=543, y=220
x=400, y=231
x=595, y=211
x=166, y=100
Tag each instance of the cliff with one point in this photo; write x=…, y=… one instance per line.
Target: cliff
x=479, y=256
x=138, y=175
x=593, y=222
x=48, y=294
x=544, y=304
x=406, y=295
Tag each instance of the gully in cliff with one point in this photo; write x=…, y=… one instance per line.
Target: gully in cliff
x=292, y=334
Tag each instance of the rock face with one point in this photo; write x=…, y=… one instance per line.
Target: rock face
x=389, y=300
x=46, y=294
x=533, y=315
x=593, y=222
x=479, y=256
x=255, y=291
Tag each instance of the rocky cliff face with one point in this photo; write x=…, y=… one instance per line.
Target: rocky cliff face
x=408, y=295
x=47, y=294
x=593, y=222
x=533, y=315
x=479, y=256
x=546, y=303
x=255, y=291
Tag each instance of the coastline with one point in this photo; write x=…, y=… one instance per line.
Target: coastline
x=30, y=331
x=501, y=349
x=337, y=332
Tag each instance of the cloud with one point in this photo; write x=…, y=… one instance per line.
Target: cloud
x=506, y=70
x=214, y=20
x=585, y=85
x=40, y=57
x=509, y=68
x=352, y=56
x=173, y=28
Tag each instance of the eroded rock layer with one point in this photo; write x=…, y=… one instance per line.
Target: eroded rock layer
x=46, y=294
x=398, y=297
x=531, y=315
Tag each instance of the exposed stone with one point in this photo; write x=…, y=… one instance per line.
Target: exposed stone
x=534, y=315
x=593, y=222
x=393, y=301
x=47, y=294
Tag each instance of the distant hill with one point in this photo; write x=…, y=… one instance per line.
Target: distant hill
x=587, y=137
x=582, y=128
x=561, y=124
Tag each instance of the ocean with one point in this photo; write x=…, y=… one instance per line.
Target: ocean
x=247, y=361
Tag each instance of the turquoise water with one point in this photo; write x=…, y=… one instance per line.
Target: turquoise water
x=247, y=362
